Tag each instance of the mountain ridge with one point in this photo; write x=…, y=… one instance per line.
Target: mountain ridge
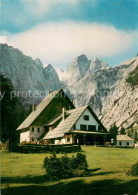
x=26, y=74
x=92, y=82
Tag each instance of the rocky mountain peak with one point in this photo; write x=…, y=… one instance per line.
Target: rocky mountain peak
x=49, y=72
x=95, y=60
x=97, y=64
x=27, y=74
x=38, y=61
x=81, y=58
x=78, y=68
x=38, y=64
x=49, y=67
x=51, y=77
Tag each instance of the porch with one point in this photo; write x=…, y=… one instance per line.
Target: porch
x=90, y=138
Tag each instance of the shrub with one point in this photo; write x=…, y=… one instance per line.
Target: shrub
x=78, y=165
x=53, y=167
x=65, y=170
x=134, y=170
x=133, y=78
x=65, y=167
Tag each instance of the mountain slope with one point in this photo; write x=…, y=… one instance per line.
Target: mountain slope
x=27, y=75
x=112, y=92
x=109, y=94
x=51, y=78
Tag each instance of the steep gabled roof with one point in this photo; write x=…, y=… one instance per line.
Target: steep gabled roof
x=96, y=118
x=45, y=102
x=66, y=125
x=124, y=138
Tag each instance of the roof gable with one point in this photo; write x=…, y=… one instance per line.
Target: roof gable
x=66, y=125
x=40, y=108
x=96, y=118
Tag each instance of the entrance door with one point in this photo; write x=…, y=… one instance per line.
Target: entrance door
x=99, y=140
x=89, y=140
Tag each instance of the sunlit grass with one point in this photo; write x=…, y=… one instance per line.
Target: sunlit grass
x=19, y=170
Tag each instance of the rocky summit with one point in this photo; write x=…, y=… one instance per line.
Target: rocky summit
x=108, y=92
x=28, y=76
x=112, y=92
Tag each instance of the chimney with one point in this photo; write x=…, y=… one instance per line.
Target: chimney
x=63, y=113
x=69, y=107
x=33, y=107
x=49, y=92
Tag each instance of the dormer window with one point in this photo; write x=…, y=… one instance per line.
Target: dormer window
x=86, y=117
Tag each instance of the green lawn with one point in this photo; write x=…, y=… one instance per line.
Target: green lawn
x=23, y=174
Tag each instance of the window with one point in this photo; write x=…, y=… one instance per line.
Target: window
x=99, y=128
x=86, y=117
x=91, y=127
x=68, y=139
x=60, y=141
x=33, y=139
x=127, y=143
x=83, y=127
x=120, y=143
x=38, y=130
x=32, y=129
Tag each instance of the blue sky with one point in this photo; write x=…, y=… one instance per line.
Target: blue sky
x=57, y=31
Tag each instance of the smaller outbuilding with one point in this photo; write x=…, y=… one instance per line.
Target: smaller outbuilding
x=124, y=140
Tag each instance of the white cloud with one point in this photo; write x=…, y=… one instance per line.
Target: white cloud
x=58, y=43
x=63, y=75
x=3, y=39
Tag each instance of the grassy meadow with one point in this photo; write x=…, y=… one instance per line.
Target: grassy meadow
x=23, y=174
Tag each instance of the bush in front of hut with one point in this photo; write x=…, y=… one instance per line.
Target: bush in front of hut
x=65, y=167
